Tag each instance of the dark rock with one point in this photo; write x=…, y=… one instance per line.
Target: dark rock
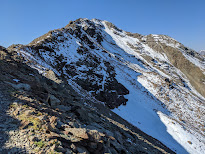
x=21, y=86
x=118, y=136
x=93, y=145
x=53, y=101
x=63, y=108
x=81, y=149
x=112, y=151
x=167, y=80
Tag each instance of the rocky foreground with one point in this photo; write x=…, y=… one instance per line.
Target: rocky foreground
x=43, y=115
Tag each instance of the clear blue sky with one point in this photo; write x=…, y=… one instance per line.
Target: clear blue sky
x=21, y=21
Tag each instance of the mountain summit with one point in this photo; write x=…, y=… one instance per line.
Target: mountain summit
x=93, y=72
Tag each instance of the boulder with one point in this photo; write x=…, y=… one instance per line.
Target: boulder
x=53, y=119
x=53, y=101
x=78, y=132
x=51, y=75
x=95, y=135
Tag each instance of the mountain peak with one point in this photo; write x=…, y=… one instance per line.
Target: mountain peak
x=151, y=81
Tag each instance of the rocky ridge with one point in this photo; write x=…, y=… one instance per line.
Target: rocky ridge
x=43, y=115
x=99, y=60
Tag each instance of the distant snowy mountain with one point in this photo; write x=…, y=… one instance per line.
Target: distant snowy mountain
x=202, y=52
x=152, y=81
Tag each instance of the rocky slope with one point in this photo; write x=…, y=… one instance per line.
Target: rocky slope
x=156, y=83
x=44, y=115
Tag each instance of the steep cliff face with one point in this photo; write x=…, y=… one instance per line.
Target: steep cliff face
x=153, y=80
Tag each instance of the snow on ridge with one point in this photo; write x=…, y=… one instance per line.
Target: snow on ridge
x=121, y=40
x=36, y=63
x=136, y=77
x=122, y=43
x=191, y=142
x=195, y=61
x=140, y=111
x=169, y=41
x=202, y=52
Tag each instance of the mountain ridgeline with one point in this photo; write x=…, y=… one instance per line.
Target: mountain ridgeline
x=111, y=69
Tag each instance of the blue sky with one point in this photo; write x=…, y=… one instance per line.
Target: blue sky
x=21, y=21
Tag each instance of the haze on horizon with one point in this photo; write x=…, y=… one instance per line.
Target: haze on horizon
x=22, y=21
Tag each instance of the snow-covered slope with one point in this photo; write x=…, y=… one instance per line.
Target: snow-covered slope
x=202, y=52
x=141, y=78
